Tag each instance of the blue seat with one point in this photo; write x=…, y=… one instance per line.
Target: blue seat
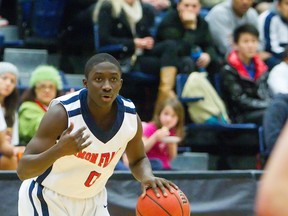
x=220, y=133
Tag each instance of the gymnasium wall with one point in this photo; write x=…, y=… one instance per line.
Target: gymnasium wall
x=211, y=193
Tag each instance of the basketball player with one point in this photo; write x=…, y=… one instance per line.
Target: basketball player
x=272, y=194
x=80, y=140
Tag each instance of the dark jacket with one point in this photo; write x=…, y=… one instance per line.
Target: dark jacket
x=171, y=28
x=117, y=30
x=244, y=96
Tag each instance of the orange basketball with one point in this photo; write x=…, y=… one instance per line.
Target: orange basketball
x=175, y=204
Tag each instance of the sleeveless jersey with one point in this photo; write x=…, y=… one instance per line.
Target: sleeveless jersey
x=85, y=173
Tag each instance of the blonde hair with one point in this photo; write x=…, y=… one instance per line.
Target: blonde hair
x=179, y=110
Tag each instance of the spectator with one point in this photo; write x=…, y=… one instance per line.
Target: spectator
x=244, y=78
x=161, y=135
x=45, y=85
x=225, y=17
x=274, y=120
x=8, y=153
x=278, y=76
x=185, y=26
x=273, y=29
x=9, y=100
x=128, y=22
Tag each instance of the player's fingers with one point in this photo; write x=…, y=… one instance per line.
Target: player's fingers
x=84, y=145
x=156, y=191
x=79, y=133
x=69, y=129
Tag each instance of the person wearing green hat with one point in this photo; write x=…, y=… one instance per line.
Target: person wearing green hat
x=45, y=85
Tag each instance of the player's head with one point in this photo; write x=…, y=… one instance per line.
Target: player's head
x=102, y=79
x=100, y=58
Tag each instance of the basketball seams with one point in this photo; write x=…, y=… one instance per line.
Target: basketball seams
x=151, y=198
x=138, y=213
x=179, y=201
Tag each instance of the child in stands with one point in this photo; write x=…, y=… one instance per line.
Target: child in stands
x=164, y=132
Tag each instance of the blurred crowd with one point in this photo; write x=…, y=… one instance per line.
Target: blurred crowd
x=234, y=54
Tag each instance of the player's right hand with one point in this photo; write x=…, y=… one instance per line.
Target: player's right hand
x=71, y=143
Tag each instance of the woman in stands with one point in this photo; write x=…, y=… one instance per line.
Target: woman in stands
x=45, y=85
x=9, y=102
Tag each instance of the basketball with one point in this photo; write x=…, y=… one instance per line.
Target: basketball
x=175, y=204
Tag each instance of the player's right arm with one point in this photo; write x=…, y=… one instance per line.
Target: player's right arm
x=43, y=149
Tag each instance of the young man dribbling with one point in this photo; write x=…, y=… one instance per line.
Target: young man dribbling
x=80, y=140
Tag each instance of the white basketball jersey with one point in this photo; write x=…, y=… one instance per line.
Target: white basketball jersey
x=85, y=174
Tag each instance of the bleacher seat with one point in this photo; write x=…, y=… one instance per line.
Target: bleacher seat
x=240, y=138
x=26, y=60
x=191, y=161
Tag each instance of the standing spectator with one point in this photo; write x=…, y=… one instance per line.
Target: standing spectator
x=244, y=78
x=45, y=85
x=278, y=76
x=164, y=132
x=225, y=17
x=273, y=29
x=185, y=26
x=127, y=22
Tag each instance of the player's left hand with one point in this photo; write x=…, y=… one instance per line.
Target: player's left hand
x=157, y=183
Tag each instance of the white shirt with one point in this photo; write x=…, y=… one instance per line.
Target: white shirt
x=278, y=79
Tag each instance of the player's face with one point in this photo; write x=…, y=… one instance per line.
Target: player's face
x=168, y=117
x=104, y=83
x=247, y=45
x=8, y=84
x=45, y=91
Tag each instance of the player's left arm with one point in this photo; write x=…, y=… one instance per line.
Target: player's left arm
x=141, y=168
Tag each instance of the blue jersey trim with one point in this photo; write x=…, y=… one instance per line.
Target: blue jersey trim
x=32, y=186
x=70, y=100
x=75, y=112
x=44, y=205
x=103, y=136
x=41, y=178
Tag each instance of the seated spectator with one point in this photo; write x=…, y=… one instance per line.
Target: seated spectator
x=128, y=22
x=45, y=85
x=161, y=135
x=273, y=29
x=8, y=152
x=212, y=109
x=9, y=96
x=225, y=17
x=244, y=85
x=278, y=76
x=7, y=155
x=185, y=26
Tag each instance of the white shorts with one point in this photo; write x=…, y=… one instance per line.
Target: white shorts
x=34, y=199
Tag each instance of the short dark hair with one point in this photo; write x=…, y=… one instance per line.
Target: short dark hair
x=99, y=58
x=245, y=28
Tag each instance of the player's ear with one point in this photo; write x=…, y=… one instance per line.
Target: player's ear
x=84, y=81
